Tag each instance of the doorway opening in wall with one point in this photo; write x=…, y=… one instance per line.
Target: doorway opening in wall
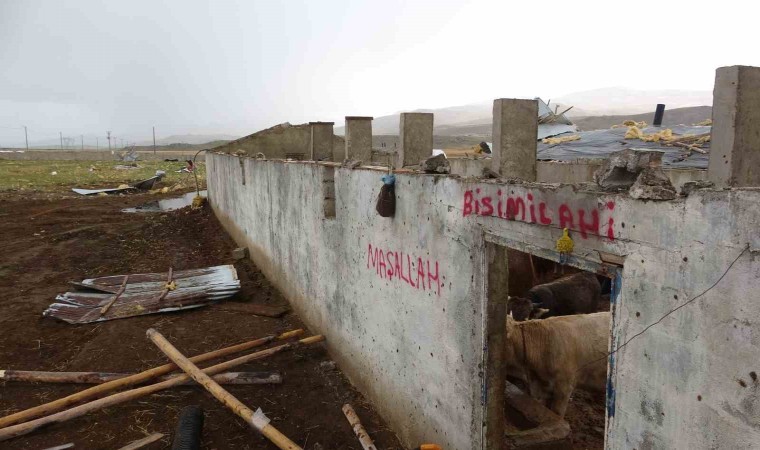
x=557, y=339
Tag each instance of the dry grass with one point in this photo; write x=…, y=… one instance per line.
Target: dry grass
x=36, y=176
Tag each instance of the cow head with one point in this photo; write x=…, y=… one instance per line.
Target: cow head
x=519, y=308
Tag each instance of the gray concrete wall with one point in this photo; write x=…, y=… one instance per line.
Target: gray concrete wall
x=359, y=138
x=579, y=171
x=416, y=349
x=277, y=142
x=515, y=126
x=735, y=145
x=415, y=137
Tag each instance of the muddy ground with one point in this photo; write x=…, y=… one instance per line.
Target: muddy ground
x=49, y=239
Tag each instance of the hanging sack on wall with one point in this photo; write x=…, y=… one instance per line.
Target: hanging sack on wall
x=386, y=201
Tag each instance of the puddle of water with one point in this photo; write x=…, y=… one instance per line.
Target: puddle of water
x=169, y=204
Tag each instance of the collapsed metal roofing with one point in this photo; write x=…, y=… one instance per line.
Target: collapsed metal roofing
x=600, y=143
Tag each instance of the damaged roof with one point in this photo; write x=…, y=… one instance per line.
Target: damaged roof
x=601, y=143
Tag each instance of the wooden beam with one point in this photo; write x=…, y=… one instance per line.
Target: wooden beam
x=256, y=419
x=142, y=377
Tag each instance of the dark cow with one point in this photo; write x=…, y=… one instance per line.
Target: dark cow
x=579, y=293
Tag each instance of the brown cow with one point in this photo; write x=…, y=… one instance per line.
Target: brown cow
x=556, y=355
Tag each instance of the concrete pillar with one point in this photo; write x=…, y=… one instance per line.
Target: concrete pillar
x=321, y=146
x=515, y=132
x=359, y=138
x=735, y=142
x=415, y=139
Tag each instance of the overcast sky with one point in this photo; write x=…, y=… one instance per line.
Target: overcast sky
x=84, y=67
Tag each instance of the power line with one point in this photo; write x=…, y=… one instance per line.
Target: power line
x=688, y=302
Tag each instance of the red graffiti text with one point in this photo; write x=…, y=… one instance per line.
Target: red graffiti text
x=421, y=274
x=526, y=209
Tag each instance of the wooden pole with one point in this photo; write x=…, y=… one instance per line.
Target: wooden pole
x=143, y=442
x=33, y=376
x=121, y=290
x=359, y=430
x=121, y=397
x=258, y=420
x=142, y=377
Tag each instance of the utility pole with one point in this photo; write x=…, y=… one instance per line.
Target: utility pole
x=109, y=140
x=81, y=136
x=154, y=141
x=122, y=142
x=97, y=144
x=61, y=135
x=26, y=136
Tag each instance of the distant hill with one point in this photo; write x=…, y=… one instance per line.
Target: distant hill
x=192, y=139
x=471, y=119
x=677, y=116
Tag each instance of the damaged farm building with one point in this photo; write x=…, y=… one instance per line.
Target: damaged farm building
x=413, y=302
x=551, y=289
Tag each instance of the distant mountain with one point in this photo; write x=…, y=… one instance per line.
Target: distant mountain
x=620, y=100
x=686, y=116
x=678, y=116
x=469, y=119
x=193, y=139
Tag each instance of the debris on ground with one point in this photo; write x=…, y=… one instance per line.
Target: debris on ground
x=622, y=168
x=166, y=204
x=690, y=186
x=630, y=123
x=143, y=185
x=140, y=443
x=351, y=164
x=256, y=309
x=653, y=184
x=258, y=420
x=198, y=202
x=561, y=139
x=147, y=293
x=240, y=253
x=358, y=428
x=33, y=376
x=61, y=447
x=129, y=155
x=126, y=166
x=704, y=123
x=189, y=428
x=436, y=164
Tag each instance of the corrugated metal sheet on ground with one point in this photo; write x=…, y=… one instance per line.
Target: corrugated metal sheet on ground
x=143, y=294
x=600, y=143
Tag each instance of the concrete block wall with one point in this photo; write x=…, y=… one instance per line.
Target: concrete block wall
x=402, y=300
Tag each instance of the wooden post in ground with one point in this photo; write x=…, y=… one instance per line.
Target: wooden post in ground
x=359, y=430
x=257, y=419
x=121, y=397
x=102, y=389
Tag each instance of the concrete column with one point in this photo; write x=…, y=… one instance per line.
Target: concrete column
x=321, y=146
x=515, y=132
x=359, y=138
x=735, y=143
x=415, y=138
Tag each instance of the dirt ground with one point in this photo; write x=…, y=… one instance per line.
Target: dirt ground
x=48, y=240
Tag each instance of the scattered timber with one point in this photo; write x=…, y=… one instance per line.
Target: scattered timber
x=258, y=420
x=33, y=376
